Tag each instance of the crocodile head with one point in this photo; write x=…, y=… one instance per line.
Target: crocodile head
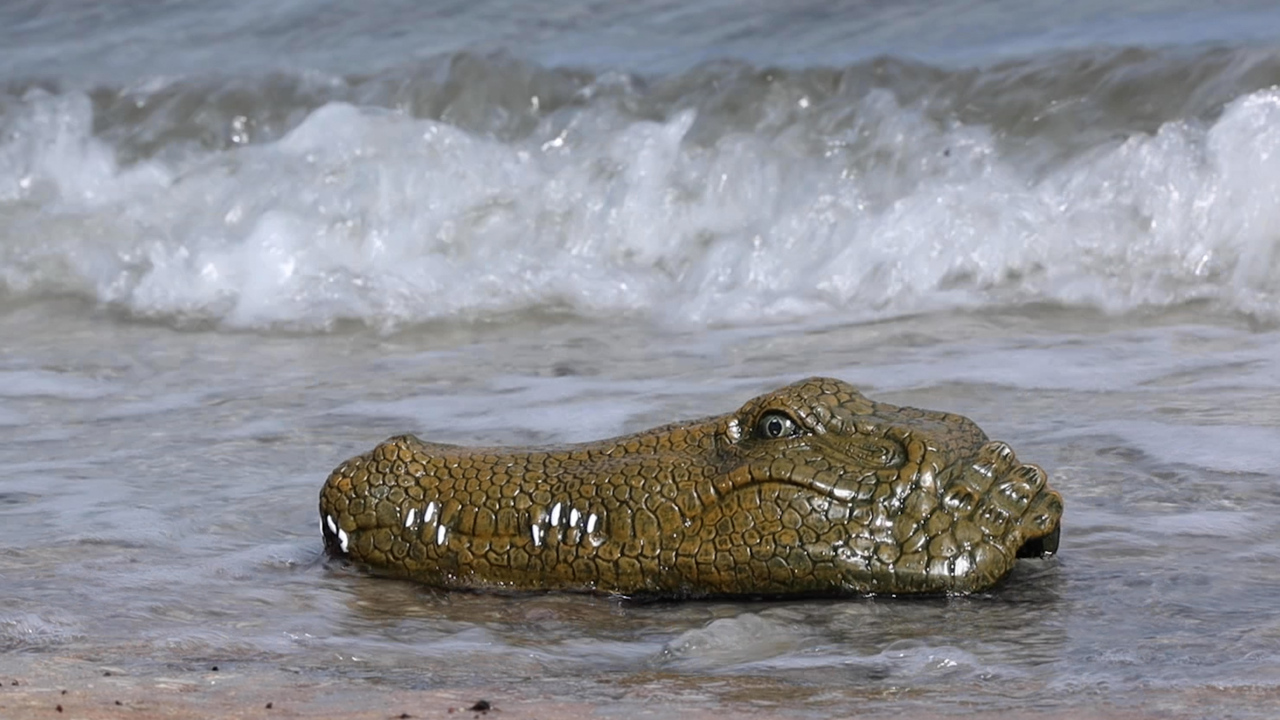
x=889, y=499
x=810, y=489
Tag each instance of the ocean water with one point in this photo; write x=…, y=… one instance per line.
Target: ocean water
x=240, y=243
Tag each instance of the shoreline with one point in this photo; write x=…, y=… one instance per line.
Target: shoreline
x=67, y=688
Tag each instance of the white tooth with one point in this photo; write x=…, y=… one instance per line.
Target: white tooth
x=555, y=514
x=537, y=535
x=573, y=517
x=342, y=539
x=591, y=523
x=430, y=513
x=440, y=531
x=409, y=518
x=333, y=527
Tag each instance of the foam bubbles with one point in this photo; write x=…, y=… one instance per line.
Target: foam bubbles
x=30, y=631
x=784, y=200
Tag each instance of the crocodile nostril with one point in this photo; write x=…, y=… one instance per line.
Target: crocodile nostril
x=1043, y=546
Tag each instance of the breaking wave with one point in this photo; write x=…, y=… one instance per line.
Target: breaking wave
x=469, y=187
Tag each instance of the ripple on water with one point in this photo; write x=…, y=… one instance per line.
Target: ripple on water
x=731, y=641
x=49, y=384
x=33, y=631
x=204, y=643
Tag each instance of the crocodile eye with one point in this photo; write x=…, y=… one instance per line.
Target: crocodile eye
x=776, y=425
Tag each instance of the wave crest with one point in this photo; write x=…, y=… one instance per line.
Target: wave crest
x=727, y=194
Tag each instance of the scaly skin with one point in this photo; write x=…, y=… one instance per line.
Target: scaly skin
x=855, y=497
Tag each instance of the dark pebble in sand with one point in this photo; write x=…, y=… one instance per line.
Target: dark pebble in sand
x=269, y=705
x=481, y=706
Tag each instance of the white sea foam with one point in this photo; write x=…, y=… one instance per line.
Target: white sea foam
x=856, y=206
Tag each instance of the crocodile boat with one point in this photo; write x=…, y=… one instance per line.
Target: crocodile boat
x=811, y=489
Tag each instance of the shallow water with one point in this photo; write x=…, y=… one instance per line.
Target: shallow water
x=239, y=246
x=159, y=493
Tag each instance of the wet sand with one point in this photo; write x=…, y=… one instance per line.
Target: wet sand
x=65, y=688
